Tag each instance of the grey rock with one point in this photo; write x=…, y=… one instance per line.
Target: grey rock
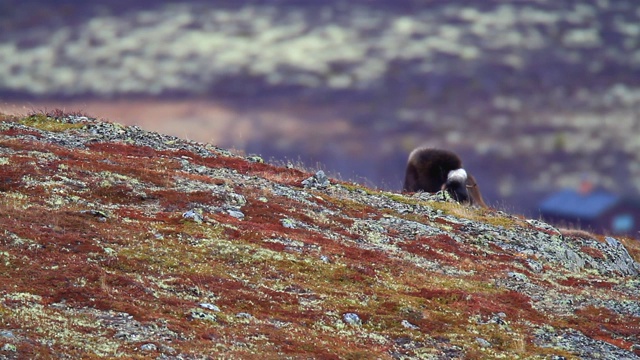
x=193, y=215
x=534, y=265
x=288, y=223
x=236, y=214
x=584, y=346
x=9, y=348
x=619, y=258
x=198, y=314
x=7, y=334
x=210, y=307
x=483, y=343
x=410, y=228
x=235, y=199
x=101, y=215
x=612, y=242
x=318, y=181
x=167, y=350
x=409, y=325
x=149, y=347
x=352, y=319
x=255, y=159
x=518, y=276
x=244, y=315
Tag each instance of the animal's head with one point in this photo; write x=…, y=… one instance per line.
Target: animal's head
x=456, y=186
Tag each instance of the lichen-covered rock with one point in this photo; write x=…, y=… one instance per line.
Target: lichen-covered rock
x=318, y=181
x=118, y=242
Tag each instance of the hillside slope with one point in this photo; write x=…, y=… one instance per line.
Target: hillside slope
x=120, y=242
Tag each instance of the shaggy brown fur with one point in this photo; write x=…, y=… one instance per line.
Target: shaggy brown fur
x=432, y=170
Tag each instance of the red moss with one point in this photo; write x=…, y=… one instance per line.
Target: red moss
x=512, y=303
x=123, y=150
x=133, y=214
x=11, y=176
x=447, y=223
x=115, y=194
x=15, y=132
x=574, y=282
x=593, y=252
x=239, y=164
x=442, y=296
x=442, y=248
x=604, y=324
x=173, y=200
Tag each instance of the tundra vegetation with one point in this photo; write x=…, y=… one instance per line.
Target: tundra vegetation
x=119, y=242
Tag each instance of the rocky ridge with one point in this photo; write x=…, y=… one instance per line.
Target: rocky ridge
x=551, y=84
x=121, y=242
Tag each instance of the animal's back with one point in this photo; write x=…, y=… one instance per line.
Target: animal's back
x=427, y=169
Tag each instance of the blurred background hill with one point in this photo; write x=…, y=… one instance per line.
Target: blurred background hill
x=535, y=95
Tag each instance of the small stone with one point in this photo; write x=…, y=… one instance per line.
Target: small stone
x=198, y=314
x=235, y=199
x=409, y=325
x=149, y=347
x=167, y=350
x=518, y=276
x=9, y=347
x=101, y=215
x=352, y=319
x=244, y=315
x=612, y=242
x=236, y=214
x=58, y=306
x=288, y=223
x=210, y=307
x=482, y=342
x=534, y=265
x=193, y=215
x=319, y=181
x=7, y=334
x=255, y=159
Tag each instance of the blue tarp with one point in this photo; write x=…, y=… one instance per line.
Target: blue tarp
x=571, y=203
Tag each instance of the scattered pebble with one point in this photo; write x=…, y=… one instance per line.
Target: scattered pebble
x=149, y=347
x=236, y=214
x=9, y=348
x=409, y=325
x=288, y=223
x=210, y=306
x=193, y=215
x=202, y=315
x=7, y=334
x=318, y=181
x=482, y=342
x=255, y=159
x=517, y=276
x=352, y=319
x=235, y=199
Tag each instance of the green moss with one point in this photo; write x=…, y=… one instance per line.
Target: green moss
x=355, y=187
x=47, y=123
x=403, y=198
x=502, y=221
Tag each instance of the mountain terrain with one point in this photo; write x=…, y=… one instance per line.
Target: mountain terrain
x=124, y=243
x=534, y=94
